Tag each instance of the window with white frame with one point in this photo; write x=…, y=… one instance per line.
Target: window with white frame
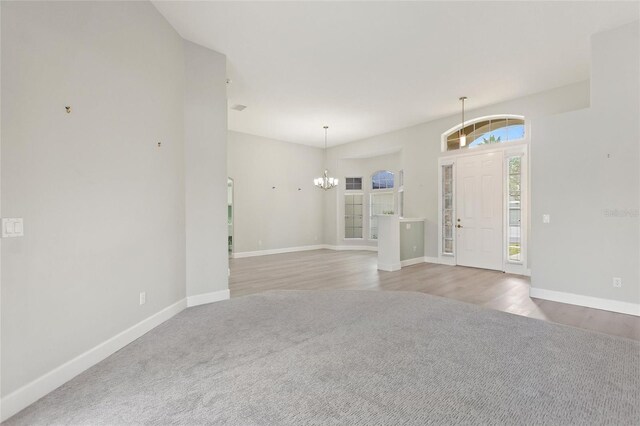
x=514, y=209
x=383, y=179
x=353, y=213
x=381, y=203
x=353, y=184
x=381, y=200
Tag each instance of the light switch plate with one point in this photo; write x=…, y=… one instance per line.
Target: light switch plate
x=12, y=227
x=546, y=218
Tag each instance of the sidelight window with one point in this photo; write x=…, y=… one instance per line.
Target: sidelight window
x=514, y=210
x=447, y=209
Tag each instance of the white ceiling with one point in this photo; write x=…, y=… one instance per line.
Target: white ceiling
x=366, y=68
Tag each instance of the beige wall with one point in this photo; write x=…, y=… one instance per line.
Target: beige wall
x=289, y=215
x=205, y=123
x=103, y=205
x=585, y=175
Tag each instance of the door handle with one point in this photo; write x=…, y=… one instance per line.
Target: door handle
x=459, y=226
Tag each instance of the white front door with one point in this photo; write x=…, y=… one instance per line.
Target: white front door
x=479, y=211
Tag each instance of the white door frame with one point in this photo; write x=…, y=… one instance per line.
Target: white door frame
x=509, y=150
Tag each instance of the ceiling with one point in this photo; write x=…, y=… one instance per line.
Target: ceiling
x=366, y=68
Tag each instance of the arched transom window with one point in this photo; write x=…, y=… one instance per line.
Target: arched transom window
x=382, y=179
x=485, y=131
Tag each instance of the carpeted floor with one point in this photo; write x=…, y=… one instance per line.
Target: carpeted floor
x=353, y=358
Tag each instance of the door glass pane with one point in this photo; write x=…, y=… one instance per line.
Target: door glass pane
x=447, y=209
x=514, y=233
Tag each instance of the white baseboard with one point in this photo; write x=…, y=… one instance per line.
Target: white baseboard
x=391, y=267
x=31, y=392
x=277, y=251
x=587, y=301
x=358, y=248
x=214, y=296
x=301, y=248
x=410, y=262
x=442, y=260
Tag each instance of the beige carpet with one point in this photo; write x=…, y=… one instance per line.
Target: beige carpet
x=354, y=358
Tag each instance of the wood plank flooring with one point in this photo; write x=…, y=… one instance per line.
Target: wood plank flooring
x=356, y=270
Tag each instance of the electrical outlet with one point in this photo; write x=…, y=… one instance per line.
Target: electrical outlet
x=259, y=242
x=546, y=218
x=415, y=248
x=143, y=298
x=617, y=282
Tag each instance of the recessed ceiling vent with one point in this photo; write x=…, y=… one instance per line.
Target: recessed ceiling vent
x=239, y=107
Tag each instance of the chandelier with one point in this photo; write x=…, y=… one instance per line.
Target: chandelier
x=325, y=182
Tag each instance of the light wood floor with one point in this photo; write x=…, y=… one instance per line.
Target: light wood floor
x=356, y=270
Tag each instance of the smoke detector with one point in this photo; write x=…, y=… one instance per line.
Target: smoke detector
x=239, y=107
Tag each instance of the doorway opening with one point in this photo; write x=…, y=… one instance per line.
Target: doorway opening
x=483, y=198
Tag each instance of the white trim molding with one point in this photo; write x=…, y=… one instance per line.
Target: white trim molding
x=214, y=296
x=358, y=248
x=414, y=261
x=587, y=301
x=391, y=267
x=442, y=260
x=277, y=251
x=36, y=389
x=302, y=248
